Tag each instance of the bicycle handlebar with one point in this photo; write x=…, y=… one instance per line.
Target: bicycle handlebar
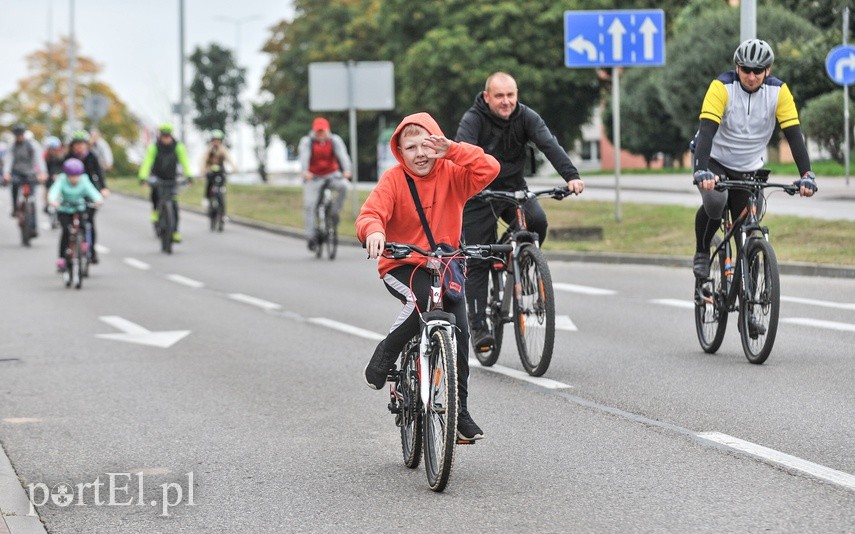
x=523, y=195
x=749, y=185
x=403, y=250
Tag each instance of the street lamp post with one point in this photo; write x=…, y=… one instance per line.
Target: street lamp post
x=238, y=22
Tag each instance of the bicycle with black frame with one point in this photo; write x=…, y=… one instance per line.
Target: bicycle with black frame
x=423, y=390
x=217, y=198
x=78, y=251
x=744, y=274
x=167, y=210
x=326, y=221
x=520, y=289
x=25, y=209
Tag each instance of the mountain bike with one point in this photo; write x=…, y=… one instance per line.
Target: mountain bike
x=326, y=222
x=423, y=393
x=217, y=201
x=25, y=212
x=749, y=282
x=520, y=289
x=167, y=210
x=78, y=254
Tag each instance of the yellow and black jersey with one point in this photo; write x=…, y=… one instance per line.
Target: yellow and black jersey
x=746, y=120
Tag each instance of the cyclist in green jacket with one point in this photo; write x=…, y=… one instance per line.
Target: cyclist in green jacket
x=161, y=162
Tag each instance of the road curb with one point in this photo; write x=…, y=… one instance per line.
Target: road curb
x=14, y=504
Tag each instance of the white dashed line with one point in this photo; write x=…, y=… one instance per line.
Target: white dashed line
x=817, y=323
x=254, y=301
x=520, y=375
x=821, y=303
x=346, y=328
x=776, y=457
x=137, y=264
x=183, y=280
x=674, y=302
x=563, y=322
x=585, y=290
x=101, y=249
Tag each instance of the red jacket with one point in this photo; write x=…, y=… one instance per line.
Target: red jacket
x=464, y=171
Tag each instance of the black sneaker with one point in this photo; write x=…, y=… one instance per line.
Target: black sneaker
x=482, y=339
x=377, y=370
x=466, y=427
x=701, y=265
x=313, y=244
x=755, y=329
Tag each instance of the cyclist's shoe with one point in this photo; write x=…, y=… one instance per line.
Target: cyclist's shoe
x=176, y=237
x=155, y=216
x=466, y=427
x=93, y=257
x=313, y=244
x=335, y=218
x=701, y=265
x=482, y=339
x=60, y=265
x=755, y=329
x=379, y=367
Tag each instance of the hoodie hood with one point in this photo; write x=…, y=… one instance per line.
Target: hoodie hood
x=421, y=119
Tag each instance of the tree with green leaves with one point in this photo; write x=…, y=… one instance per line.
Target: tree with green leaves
x=822, y=121
x=216, y=87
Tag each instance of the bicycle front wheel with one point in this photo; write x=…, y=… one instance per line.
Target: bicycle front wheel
x=534, y=311
x=411, y=414
x=79, y=265
x=27, y=223
x=166, y=220
x=761, y=301
x=440, y=417
x=221, y=211
x=495, y=319
x=711, y=303
x=331, y=237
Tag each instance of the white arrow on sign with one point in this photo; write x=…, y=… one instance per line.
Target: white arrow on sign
x=580, y=45
x=134, y=333
x=617, y=31
x=848, y=63
x=648, y=30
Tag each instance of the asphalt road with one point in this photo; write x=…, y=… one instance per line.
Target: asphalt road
x=255, y=418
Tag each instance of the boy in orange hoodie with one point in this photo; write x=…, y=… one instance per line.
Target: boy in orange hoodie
x=446, y=174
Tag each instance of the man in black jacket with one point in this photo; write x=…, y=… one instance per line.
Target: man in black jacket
x=503, y=127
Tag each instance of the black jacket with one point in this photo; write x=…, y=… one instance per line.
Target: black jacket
x=506, y=140
x=92, y=167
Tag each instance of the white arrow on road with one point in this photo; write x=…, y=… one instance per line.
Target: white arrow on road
x=648, y=30
x=134, y=333
x=580, y=45
x=617, y=31
x=848, y=63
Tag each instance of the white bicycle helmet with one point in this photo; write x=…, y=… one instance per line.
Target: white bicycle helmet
x=754, y=53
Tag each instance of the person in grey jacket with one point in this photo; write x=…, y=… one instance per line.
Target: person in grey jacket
x=23, y=162
x=323, y=156
x=503, y=127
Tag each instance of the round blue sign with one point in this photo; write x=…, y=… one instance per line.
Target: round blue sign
x=840, y=64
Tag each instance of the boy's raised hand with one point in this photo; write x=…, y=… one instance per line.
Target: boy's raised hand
x=438, y=146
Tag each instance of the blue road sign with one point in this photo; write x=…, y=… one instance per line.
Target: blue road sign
x=840, y=64
x=614, y=38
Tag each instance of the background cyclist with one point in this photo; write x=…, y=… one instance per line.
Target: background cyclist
x=80, y=148
x=68, y=195
x=23, y=162
x=502, y=126
x=54, y=156
x=738, y=117
x=217, y=154
x=323, y=155
x=161, y=161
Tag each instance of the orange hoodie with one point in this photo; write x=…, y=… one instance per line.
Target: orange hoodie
x=464, y=171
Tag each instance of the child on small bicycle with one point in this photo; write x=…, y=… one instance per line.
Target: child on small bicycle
x=446, y=174
x=68, y=195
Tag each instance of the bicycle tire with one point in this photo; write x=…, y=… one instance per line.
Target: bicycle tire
x=221, y=211
x=78, y=265
x=25, y=222
x=213, y=208
x=711, y=303
x=167, y=227
x=331, y=235
x=495, y=319
x=761, y=302
x=68, y=273
x=411, y=413
x=440, y=416
x=534, y=311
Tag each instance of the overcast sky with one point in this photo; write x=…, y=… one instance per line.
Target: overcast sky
x=136, y=42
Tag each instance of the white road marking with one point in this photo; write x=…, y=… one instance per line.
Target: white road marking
x=183, y=280
x=821, y=303
x=564, y=322
x=520, y=375
x=817, y=323
x=137, y=264
x=254, y=301
x=585, y=290
x=21, y=420
x=346, y=328
x=134, y=333
x=776, y=457
x=101, y=249
x=674, y=302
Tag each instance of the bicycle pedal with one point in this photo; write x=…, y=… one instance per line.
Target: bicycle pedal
x=461, y=441
x=394, y=408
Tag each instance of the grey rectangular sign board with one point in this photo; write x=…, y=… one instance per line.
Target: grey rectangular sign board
x=373, y=85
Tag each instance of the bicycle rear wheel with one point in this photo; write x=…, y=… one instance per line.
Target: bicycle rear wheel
x=411, y=414
x=711, y=303
x=761, y=301
x=440, y=418
x=495, y=318
x=534, y=311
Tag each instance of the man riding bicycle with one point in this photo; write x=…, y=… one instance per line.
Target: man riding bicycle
x=323, y=155
x=502, y=126
x=737, y=119
x=161, y=161
x=216, y=156
x=23, y=163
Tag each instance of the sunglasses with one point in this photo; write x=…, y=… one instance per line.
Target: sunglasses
x=749, y=70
